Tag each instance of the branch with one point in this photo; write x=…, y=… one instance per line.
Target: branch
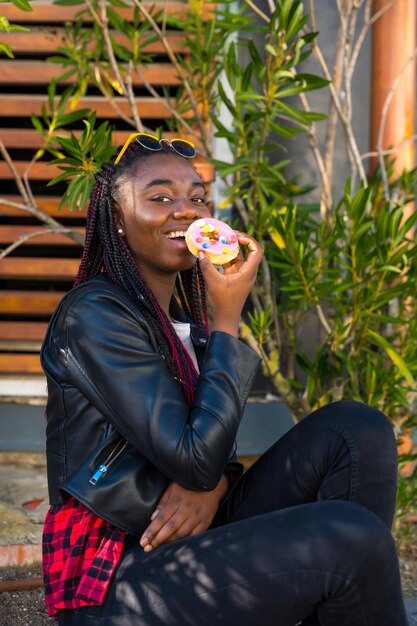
x=384, y=114
x=331, y=126
x=351, y=142
x=132, y=99
x=16, y=175
x=92, y=11
x=164, y=18
x=323, y=320
x=27, y=204
x=15, y=205
x=103, y=23
x=126, y=87
x=109, y=47
x=36, y=233
x=367, y=155
x=112, y=101
x=259, y=11
x=268, y=301
x=175, y=62
x=166, y=102
x=368, y=21
x=326, y=197
x=351, y=18
x=240, y=205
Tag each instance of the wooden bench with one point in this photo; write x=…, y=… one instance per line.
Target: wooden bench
x=33, y=279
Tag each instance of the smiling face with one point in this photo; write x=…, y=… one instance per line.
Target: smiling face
x=156, y=206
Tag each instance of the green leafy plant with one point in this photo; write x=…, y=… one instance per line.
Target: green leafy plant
x=346, y=269
x=6, y=27
x=82, y=160
x=333, y=312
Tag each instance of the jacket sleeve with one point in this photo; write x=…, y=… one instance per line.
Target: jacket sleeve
x=108, y=353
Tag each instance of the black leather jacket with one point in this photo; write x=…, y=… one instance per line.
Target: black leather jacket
x=104, y=372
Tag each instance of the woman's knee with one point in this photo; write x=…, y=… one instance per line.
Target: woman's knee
x=361, y=420
x=357, y=536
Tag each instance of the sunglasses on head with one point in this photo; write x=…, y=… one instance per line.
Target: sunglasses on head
x=149, y=142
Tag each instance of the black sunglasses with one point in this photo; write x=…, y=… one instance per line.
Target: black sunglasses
x=181, y=146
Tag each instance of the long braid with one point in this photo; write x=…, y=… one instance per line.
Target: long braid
x=105, y=250
x=191, y=289
x=203, y=295
x=92, y=257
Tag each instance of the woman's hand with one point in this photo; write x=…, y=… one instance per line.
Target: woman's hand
x=182, y=513
x=227, y=291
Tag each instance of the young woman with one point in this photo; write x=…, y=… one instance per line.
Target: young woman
x=302, y=537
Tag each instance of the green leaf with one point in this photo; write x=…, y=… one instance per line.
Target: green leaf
x=286, y=6
x=22, y=4
x=7, y=50
x=296, y=22
x=246, y=78
x=311, y=81
x=37, y=124
x=255, y=56
x=16, y=28
x=119, y=3
x=225, y=99
x=285, y=131
x=303, y=117
x=359, y=232
x=230, y=65
x=68, y=2
x=271, y=50
x=394, y=356
x=291, y=90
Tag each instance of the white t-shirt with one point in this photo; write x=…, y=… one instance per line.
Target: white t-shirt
x=184, y=333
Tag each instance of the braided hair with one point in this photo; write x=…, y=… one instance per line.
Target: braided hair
x=106, y=250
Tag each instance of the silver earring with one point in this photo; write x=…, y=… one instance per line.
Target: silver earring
x=120, y=231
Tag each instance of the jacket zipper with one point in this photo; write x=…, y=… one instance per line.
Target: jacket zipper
x=103, y=467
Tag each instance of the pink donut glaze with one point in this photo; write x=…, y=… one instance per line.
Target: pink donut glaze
x=219, y=240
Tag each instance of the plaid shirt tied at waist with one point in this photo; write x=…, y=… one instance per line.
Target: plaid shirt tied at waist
x=80, y=554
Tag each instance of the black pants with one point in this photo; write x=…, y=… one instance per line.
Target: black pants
x=303, y=537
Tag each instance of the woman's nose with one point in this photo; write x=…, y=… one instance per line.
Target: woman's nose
x=190, y=211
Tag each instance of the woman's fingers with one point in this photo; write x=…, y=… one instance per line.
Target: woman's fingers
x=178, y=514
x=253, y=258
x=227, y=291
x=163, y=524
x=177, y=528
x=255, y=250
x=167, y=532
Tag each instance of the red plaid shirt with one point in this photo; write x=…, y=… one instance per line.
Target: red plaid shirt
x=80, y=554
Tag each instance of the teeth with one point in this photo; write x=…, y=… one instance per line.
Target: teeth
x=176, y=234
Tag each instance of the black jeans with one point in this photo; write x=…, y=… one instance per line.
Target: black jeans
x=302, y=538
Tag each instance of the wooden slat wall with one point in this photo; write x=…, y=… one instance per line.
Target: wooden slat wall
x=37, y=274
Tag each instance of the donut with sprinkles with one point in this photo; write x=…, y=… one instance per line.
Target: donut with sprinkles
x=217, y=239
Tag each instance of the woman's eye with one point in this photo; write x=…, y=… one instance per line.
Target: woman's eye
x=161, y=199
x=199, y=200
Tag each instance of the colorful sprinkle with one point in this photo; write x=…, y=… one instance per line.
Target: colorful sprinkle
x=205, y=246
x=198, y=239
x=225, y=250
x=223, y=239
x=232, y=238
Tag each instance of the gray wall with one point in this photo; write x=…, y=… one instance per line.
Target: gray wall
x=303, y=162
x=22, y=426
